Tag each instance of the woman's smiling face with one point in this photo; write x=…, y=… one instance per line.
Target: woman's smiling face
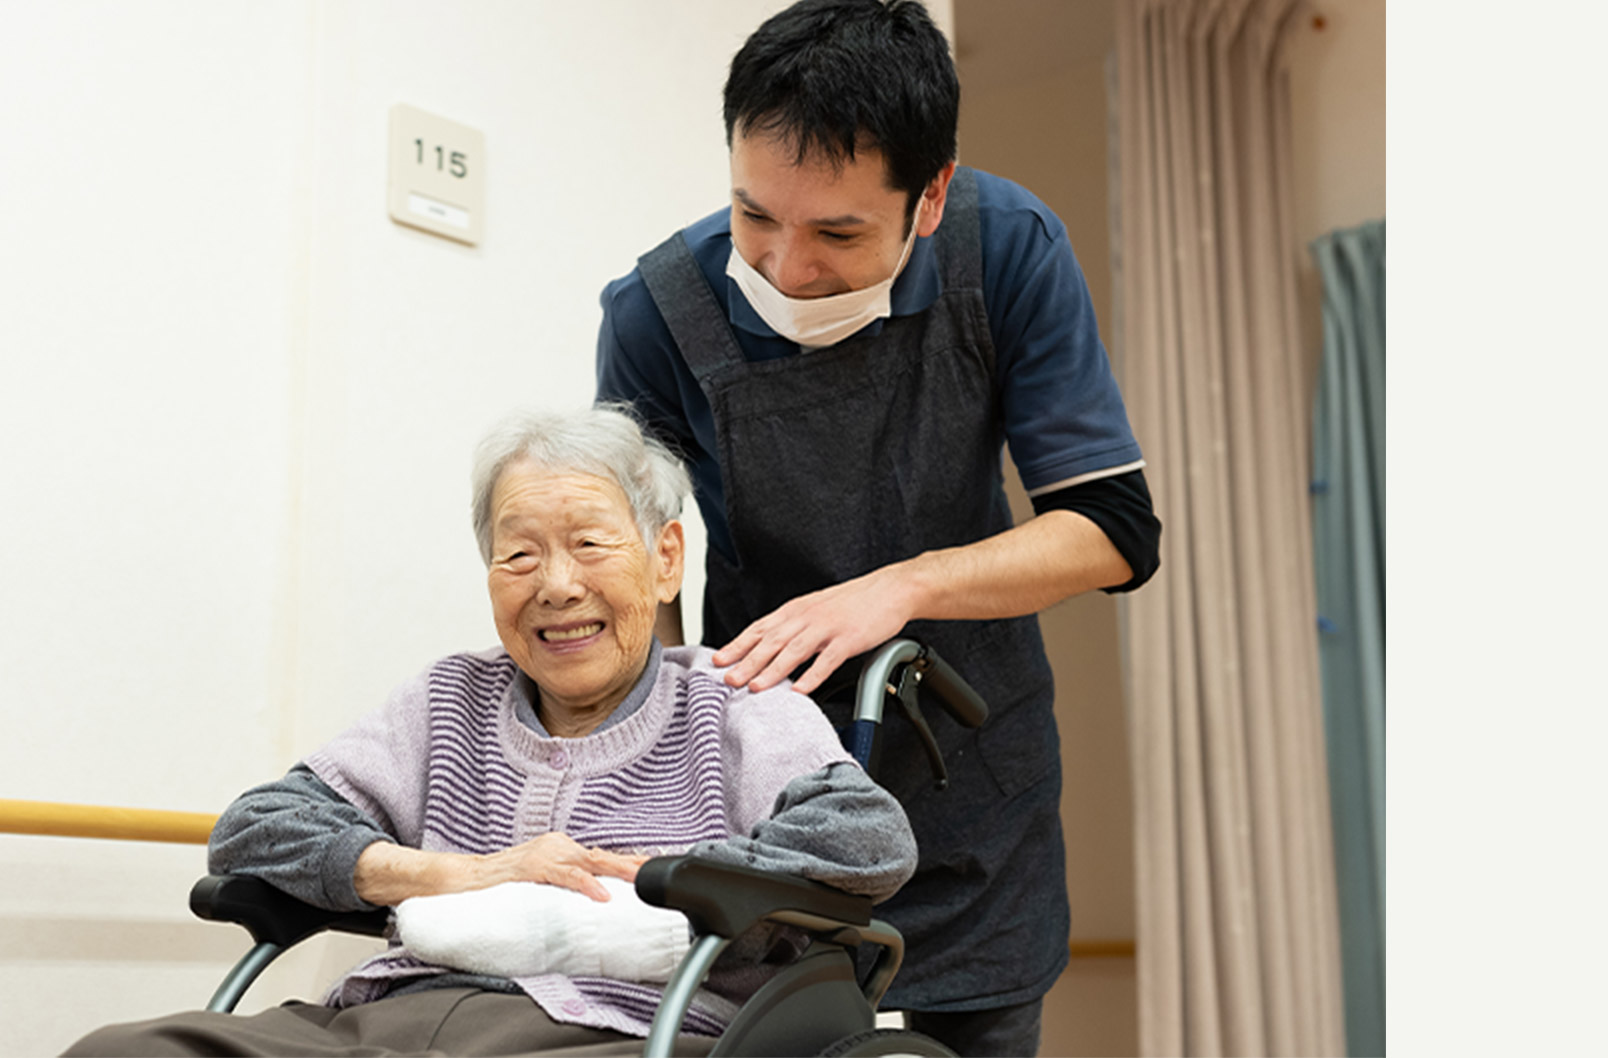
x=575, y=589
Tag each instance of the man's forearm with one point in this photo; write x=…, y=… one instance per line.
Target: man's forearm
x=1023, y=570
x=1020, y=571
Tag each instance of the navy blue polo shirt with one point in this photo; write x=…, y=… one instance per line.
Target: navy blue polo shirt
x=1064, y=419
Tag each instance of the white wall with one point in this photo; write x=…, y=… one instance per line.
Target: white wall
x=237, y=401
x=1033, y=109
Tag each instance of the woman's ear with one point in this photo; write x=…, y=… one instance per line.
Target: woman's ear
x=671, y=550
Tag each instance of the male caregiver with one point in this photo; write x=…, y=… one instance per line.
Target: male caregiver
x=841, y=355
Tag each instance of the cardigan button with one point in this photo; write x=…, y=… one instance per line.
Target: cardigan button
x=574, y=1007
x=559, y=759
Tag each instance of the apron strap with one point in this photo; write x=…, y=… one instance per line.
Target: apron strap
x=689, y=308
x=960, y=236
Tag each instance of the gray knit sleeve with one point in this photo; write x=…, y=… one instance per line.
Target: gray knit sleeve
x=298, y=835
x=833, y=825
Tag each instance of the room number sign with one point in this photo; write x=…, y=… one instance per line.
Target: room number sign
x=437, y=175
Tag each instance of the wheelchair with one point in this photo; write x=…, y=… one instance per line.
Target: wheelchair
x=818, y=1004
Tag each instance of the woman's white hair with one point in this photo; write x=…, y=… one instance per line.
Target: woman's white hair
x=605, y=441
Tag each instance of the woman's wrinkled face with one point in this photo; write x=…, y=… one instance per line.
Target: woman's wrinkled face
x=574, y=588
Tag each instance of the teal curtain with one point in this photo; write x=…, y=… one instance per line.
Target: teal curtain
x=1348, y=526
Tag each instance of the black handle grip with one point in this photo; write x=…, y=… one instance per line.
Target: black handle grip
x=725, y=899
x=954, y=693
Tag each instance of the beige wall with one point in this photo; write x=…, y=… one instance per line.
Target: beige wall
x=1337, y=99
x=1034, y=109
x=1337, y=87
x=1037, y=114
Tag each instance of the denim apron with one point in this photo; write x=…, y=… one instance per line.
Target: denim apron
x=837, y=462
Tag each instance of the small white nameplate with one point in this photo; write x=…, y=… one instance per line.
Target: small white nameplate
x=429, y=207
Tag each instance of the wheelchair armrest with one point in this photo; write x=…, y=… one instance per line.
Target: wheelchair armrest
x=273, y=916
x=725, y=900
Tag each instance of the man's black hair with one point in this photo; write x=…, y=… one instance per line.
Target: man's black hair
x=833, y=75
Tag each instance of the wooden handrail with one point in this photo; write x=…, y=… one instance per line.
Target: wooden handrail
x=1102, y=949
x=99, y=821
x=192, y=828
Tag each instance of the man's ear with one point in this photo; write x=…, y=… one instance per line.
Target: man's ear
x=671, y=550
x=933, y=200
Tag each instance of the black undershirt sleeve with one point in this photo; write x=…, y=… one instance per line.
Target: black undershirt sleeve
x=1120, y=506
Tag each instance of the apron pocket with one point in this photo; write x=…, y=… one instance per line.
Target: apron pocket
x=1004, y=661
x=1020, y=747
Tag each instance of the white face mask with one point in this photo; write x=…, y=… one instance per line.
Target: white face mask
x=817, y=322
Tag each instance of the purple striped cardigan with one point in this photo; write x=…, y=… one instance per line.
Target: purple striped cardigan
x=447, y=765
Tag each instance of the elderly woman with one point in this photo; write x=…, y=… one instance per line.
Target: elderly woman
x=565, y=758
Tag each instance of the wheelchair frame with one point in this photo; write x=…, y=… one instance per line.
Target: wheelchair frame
x=809, y=1006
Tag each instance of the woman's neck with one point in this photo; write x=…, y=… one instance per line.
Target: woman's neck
x=565, y=720
x=567, y=723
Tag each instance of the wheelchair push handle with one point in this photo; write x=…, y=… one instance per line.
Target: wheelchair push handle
x=881, y=677
x=957, y=696
x=896, y=671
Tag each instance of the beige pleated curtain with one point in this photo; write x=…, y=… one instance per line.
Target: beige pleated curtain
x=1238, y=935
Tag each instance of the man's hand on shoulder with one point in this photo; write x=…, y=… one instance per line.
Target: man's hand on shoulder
x=831, y=625
x=1022, y=570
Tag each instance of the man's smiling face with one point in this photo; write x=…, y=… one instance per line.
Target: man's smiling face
x=814, y=228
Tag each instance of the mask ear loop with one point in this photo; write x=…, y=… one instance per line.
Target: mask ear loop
x=910, y=239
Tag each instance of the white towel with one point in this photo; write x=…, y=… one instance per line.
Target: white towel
x=523, y=929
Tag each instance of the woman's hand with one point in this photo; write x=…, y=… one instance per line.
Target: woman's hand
x=388, y=874
x=558, y=859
